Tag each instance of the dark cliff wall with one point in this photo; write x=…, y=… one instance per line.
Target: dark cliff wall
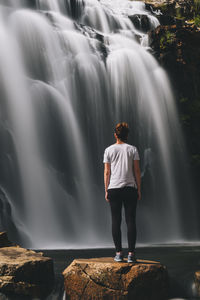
x=176, y=45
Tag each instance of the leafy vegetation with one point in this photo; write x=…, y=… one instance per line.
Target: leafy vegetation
x=167, y=39
x=197, y=6
x=196, y=10
x=197, y=20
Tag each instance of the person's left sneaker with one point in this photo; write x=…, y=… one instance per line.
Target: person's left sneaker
x=131, y=258
x=118, y=257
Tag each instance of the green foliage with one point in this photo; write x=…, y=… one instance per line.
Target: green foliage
x=197, y=5
x=167, y=39
x=183, y=100
x=179, y=15
x=190, y=112
x=195, y=108
x=197, y=20
x=196, y=11
x=164, y=8
x=185, y=119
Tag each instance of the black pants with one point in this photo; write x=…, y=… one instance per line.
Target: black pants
x=128, y=197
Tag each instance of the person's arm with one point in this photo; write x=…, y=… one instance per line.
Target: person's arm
x=137, y=173
x=106, y=179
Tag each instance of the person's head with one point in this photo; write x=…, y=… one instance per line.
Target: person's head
x=121, y=131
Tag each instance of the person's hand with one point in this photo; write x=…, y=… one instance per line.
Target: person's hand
x=139, y=195
x=106, y=196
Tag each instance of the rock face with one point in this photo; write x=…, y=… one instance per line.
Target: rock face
x=141, y=22
x=197, y=281
x=178, y=50
x=177, y=8
x=176, y=45
x=102, y=278
x=25, y=272
x=4, y=241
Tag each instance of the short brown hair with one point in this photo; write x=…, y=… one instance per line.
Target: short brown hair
x=122, y=130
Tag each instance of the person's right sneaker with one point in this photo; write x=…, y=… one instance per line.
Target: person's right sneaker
x=131, y=258
x=118, y=257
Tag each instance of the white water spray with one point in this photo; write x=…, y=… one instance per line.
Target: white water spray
x=69, y=72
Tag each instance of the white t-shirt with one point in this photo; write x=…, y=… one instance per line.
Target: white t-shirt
x=121, y=157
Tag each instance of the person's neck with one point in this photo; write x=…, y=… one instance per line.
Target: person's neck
x=119, y=142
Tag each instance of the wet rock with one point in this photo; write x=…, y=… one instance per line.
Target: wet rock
x=176, y=45
x=197, y=281
x=25, y=272
x=160, y=3
x=168, y=20
x=171, y=12
x=96, y=39
x=102, y=278
x=179, y=8
x=141, y=22
x=178, y=51
x=4, y=241
x=76, y=8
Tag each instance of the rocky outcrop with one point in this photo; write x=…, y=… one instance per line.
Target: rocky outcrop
x=102, y=278
x=178, y=51
x=197, y=281
x=176, y=45
x=177, y=48
x=141, y=22
x=100, y=44
x=179, y=9
x=4, y=241
x=25, y=272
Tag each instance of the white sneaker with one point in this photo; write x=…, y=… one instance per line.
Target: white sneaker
x=118, y=257
x=131, y=258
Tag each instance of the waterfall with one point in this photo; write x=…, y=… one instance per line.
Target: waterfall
x=69, y=71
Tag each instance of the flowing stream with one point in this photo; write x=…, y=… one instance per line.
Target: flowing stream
x=69, y=71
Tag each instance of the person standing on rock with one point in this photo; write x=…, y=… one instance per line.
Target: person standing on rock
x=122, y=179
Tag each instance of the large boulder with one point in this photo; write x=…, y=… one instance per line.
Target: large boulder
x=197, y=281
x=25, y=272
x=102, y=278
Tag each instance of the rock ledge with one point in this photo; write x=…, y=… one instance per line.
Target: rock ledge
x=4, y=241
x=25, y=272
x=102, y=278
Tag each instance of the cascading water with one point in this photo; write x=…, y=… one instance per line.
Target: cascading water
x=69, y=71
